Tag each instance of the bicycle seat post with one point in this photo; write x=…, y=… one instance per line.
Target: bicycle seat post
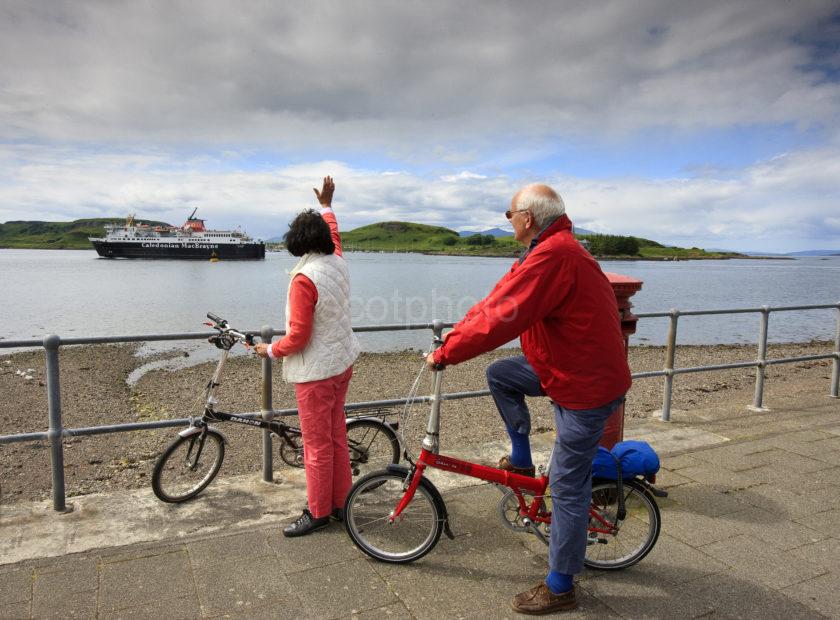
x=431, y=441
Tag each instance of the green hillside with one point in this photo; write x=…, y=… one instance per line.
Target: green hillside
x=57, y=235
x=410, y=237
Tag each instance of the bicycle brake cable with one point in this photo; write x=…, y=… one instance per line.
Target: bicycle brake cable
x=410, y=399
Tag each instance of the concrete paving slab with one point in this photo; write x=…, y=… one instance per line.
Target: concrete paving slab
x=62, y=604
x=241, y=546
x=825, y=553
x=696, y=529
x=15, y=586
x=666, y=478
x=827, y=521
x=778, y=533
x=733, y=597
x=394, y=610
x=820, y=594
x=132, y=583
x=779, y=500
x=78, y=575
x=667, y=563
x=332, y=545
x=752, y=559
x=702, y=499
x=171, y=609
x=245, y=586
x=668, y=438
x=640, y=594
x=16, y=611
x=342, y=589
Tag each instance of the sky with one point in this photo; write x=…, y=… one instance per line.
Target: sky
x=705, y=123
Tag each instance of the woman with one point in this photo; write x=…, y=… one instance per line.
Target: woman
x=318, y=352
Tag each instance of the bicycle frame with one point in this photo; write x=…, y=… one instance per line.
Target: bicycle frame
x=430, y=457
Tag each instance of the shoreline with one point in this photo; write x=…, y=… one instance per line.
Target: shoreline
x=94, y=392
x=496, y=255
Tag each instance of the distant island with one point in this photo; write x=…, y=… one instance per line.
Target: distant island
x=380, y=237
x=58, y=235
x=411, y=237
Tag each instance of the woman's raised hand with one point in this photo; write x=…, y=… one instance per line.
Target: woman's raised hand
x=326, y=193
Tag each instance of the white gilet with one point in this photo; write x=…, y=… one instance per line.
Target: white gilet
x=332, y=347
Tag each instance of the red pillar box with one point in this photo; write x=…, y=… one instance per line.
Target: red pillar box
x=625, y=287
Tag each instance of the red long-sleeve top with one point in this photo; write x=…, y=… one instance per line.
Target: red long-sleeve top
x=302, y=299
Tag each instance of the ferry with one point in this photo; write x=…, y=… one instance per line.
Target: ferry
x=190, y=241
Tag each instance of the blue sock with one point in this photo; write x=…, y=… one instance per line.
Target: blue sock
x=558, y=583
x=520, y=448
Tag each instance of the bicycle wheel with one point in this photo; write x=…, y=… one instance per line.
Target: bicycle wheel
x=636, y=534
x=411, y=536
x=373, y=446
x=188, y=466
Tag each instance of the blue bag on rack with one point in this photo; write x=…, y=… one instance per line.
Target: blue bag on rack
x=637, y=458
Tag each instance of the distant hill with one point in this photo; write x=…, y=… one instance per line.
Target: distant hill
x=410, y=237
x=815, y=253
x=499, y=232
x=495, y=232
x=58, y=235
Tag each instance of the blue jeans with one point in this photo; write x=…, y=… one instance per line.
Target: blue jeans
x=578, y=432
x=510, y=380
x=570, y=480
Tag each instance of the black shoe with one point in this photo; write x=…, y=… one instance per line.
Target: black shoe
x=305, y=524
x=337, y=514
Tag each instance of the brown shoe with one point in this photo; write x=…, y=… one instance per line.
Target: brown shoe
x=504, y=463
x=540, y=600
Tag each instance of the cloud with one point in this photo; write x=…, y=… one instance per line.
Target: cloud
x=440, y=80
x=784, y=202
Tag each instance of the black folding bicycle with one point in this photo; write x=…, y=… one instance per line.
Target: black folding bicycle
x=192, y=461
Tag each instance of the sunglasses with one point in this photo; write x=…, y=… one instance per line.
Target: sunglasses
x=509, y=213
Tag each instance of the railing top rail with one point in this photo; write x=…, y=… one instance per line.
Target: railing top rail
x=9, y=344
x=677, y=312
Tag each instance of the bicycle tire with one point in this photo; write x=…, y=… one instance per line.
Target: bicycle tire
x=174, y=480
x=416, y=531
x=637, y=533
x=373, y=446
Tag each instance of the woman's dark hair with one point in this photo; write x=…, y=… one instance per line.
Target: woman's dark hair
x=308, y=232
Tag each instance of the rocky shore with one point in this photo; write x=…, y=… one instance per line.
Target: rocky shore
x=94, y=392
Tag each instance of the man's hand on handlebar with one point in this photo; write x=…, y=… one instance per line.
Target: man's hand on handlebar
x=431, y=364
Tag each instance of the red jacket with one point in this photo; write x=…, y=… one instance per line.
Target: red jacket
x=561, y=305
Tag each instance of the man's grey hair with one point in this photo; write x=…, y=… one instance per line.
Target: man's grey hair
x=543, y=202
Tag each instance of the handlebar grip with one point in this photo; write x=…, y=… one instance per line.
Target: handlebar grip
x=215, y=318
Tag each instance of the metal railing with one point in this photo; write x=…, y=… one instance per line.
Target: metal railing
x=760, y=364
x=56, y=431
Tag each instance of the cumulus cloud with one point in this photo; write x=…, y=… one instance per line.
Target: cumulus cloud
x=784, y=202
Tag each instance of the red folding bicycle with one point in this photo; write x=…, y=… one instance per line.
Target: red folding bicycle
x=397, y=515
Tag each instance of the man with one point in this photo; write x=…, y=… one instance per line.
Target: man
x=560, y=304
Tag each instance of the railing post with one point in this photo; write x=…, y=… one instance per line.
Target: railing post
x=266, y=408
x=835, y=374
x=761, y=364
x=670, y=354
x=56, y=430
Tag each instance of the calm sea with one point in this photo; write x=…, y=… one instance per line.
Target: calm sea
x=75, y=294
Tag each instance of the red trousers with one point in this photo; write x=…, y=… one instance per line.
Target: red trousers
x=325, y=453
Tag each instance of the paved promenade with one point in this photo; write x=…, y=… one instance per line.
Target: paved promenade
x=750, y=530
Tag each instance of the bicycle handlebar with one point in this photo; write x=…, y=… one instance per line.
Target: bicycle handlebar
x=225, y=330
